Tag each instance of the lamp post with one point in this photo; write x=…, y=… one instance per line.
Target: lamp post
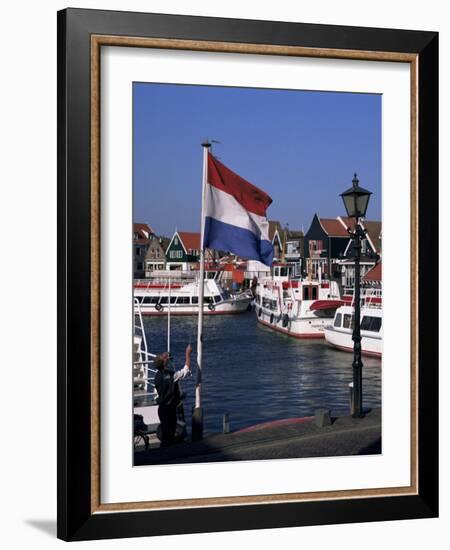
x=356, y=200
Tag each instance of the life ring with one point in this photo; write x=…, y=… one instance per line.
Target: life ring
x=260, y=312
x=285, y=320
x=158, y=307
x=211, y=306
x=271, y=318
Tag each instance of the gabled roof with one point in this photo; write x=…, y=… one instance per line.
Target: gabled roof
x=334, y=228
x=164, y=242
x=143, y=230
x=190, y=241
x=373, y=232
x=273, y=228
x=375, y=274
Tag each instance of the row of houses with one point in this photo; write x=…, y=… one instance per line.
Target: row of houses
x=325, y=250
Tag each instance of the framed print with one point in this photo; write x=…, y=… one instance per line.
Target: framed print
x=248, y=274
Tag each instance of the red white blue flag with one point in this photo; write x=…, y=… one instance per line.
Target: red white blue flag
x=235, y=215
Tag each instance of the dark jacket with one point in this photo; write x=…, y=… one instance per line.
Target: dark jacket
x=168, y=390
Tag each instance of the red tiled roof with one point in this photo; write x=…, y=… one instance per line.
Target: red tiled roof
x=374, y=274
x=191, y=241
x=334, y=228
x=143, y=230
x=374, y=232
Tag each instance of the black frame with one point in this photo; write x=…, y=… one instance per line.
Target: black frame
x=75, y=521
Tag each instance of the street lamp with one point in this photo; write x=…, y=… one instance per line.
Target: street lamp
x=356, y=200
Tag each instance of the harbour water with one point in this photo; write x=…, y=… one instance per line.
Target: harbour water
x=257, y=375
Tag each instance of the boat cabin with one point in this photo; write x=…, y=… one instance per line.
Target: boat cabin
x=370, y=322
x=282, y=271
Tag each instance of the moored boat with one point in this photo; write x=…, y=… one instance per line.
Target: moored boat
x=154, y=297
x=296, y=307
x=339, y=333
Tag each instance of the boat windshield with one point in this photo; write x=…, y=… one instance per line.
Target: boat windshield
x=372, y=324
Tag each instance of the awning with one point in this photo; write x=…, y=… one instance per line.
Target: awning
x=326, y=304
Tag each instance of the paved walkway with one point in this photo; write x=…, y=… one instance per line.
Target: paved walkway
x=345, y=436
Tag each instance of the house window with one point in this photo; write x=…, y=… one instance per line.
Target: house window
x=176, y=254
x=175, y=241
x=138, y=251
x=363, y=246
x=140, y=266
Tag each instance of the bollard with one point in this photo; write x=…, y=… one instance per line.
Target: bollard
x=322, y=417
x=226, y=423
x=352, y=399
x=197, y=423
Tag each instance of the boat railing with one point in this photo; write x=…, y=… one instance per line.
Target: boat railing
x=373, y=297
x=370, y=297
x=163, y=279
x=143, y=373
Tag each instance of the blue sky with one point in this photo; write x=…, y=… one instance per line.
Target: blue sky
x=302, y=148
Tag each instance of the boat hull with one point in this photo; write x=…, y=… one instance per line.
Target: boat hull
x=307, y=327
x=342, y=340
x=230, y=308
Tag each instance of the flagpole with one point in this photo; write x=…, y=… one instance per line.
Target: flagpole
x=168, y=322
x=197, y=415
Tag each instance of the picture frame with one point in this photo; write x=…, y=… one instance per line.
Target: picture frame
x=81, y=35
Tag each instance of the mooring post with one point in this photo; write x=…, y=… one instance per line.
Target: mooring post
x=352, y=398
x=226, y=423
x=197, y=423
x=322, y=417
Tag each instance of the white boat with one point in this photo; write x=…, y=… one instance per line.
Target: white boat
x=339, y=333
x=296, y=307
x=155, y=295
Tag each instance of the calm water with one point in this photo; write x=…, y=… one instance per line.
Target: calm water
x=257, y=375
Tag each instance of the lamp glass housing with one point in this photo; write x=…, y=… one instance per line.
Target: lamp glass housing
x=356, y=200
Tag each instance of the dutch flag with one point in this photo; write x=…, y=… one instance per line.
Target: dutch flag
x=235, y=215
